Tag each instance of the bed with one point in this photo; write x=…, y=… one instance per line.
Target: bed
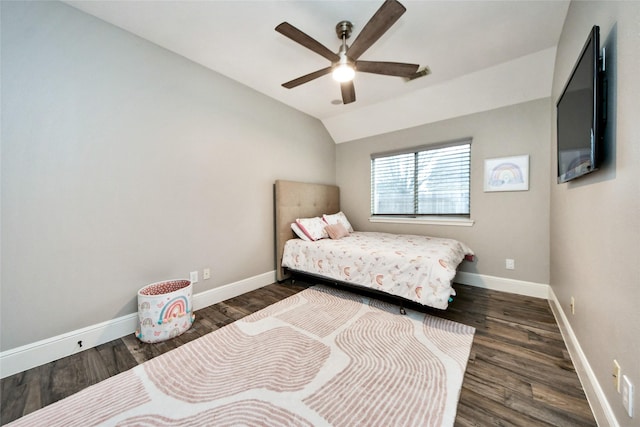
x=410, y=267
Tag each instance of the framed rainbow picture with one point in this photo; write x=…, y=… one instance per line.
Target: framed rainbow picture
x=506, y=174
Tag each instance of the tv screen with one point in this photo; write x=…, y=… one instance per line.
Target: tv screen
x=579, y=115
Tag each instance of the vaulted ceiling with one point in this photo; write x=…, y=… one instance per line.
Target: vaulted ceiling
x=482, y=54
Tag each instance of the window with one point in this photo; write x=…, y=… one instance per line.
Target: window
x=422, y=181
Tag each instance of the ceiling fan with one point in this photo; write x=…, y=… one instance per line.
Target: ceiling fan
x=345, y=63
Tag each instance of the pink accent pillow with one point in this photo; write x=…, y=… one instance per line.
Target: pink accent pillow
x=313, y=227
x=336, y=231
x=339, y=217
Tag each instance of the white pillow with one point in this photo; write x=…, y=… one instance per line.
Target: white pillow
x=339, y=217
x=313, y=227
x=299, y=232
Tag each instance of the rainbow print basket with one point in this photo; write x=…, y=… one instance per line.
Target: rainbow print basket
x=164, y=310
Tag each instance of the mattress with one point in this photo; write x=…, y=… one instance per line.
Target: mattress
x=418, y=268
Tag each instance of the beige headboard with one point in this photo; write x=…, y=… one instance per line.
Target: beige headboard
x=299, y=200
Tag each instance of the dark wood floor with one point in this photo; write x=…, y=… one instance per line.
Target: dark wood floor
x=519, y=372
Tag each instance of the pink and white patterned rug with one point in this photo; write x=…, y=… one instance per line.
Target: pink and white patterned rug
x=322, y=357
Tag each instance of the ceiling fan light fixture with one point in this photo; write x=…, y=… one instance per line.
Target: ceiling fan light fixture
x=343, y=73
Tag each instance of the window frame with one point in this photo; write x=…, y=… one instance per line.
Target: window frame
x=415, y=217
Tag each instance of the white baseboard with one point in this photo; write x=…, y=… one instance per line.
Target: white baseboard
x=222, y=293
x=519, y=287
x=35, y=354
x=38, y=353
x=595, y=395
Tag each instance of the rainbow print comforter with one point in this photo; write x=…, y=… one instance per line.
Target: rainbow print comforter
x=418, y=268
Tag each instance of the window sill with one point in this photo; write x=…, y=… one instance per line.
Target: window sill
x=442, y=220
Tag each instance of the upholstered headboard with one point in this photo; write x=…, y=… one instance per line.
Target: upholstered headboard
x=299, y=200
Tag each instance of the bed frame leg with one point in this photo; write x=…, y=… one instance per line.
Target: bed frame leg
x=402, y=310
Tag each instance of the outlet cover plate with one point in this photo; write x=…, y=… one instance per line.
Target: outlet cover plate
x=627, y=395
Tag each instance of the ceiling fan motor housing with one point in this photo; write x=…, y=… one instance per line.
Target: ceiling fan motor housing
x=344, y=29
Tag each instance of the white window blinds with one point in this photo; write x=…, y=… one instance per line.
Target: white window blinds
x=424, y=181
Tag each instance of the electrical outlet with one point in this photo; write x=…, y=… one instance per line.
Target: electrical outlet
x=510, y=264
x=193, y=277
x=206, y=274
x=627, y=395
x=616, y=375
x=573, y=305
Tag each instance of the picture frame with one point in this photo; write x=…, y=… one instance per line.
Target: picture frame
x=506, y=174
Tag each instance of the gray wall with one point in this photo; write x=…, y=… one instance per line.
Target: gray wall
x=594, y=221
x=507, y=224
x=124, y=164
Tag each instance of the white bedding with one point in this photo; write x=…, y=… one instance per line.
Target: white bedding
x=418, y=268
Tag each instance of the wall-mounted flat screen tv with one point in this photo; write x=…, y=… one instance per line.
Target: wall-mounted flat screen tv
x=581, y=115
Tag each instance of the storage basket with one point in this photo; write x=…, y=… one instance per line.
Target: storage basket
x=164, y=310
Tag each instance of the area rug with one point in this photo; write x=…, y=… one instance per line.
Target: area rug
x=322, y=357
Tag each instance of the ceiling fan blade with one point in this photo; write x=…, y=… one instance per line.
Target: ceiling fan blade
x=400, y=69
x=307, y=78
x=298, y=36
x=348, y=92
x=380, y=22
